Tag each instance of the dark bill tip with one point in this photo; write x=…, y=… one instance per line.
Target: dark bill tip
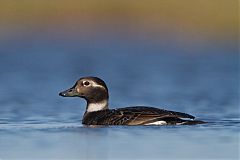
x=62, y=94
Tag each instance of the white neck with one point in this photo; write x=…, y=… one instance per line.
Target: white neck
x=92, y=107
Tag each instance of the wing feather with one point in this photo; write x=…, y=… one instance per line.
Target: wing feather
x=138, y=115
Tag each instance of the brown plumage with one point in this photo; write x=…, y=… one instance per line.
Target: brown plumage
x=95, y=92
x=138, y=115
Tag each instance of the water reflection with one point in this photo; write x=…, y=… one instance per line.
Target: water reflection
x=67, y=140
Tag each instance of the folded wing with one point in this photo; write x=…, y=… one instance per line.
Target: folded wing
x=143, y=116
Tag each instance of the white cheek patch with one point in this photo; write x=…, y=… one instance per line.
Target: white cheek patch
x=94, y=84
x=157, y=123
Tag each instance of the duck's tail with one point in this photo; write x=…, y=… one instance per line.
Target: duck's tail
x=193, y=122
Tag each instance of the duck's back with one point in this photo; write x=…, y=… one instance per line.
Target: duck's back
x=138, y=115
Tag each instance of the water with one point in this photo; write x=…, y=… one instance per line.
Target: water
x=35, y=123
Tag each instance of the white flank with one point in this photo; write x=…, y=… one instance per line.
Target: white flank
x=181, y=123
x=157, y=123
x=92, y=107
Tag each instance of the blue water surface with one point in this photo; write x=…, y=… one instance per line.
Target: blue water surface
x=35, y=123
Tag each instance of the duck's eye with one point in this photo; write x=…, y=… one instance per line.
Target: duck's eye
x=86, y=83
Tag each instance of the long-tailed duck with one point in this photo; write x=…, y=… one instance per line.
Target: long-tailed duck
x=95, y=92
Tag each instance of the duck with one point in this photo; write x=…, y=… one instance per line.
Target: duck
x=95, y=91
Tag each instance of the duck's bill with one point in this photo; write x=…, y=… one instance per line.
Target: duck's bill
x=69, y=93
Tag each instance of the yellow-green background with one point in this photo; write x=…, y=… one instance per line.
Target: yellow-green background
x=188, y=23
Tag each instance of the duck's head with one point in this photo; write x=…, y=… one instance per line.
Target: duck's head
x=93, y=90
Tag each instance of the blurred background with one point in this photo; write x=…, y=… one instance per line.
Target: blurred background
x=172, y=54
x=190, y=26
x=144, y=50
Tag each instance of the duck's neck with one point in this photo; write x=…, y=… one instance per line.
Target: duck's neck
x=97, y=106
